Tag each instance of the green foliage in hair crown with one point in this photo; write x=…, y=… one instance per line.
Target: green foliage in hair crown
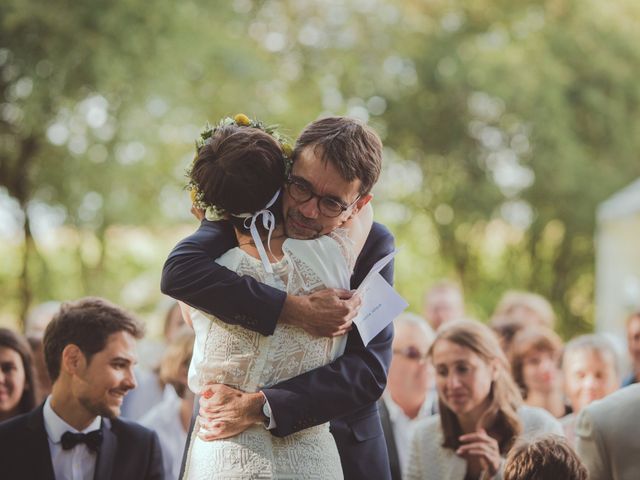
x=212, y=212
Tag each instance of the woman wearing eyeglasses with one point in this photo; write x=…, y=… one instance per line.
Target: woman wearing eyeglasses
x=481, y=410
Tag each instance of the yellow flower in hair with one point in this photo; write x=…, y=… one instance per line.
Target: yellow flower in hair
x=192, y=194
x=287, y=150
x=242, y=120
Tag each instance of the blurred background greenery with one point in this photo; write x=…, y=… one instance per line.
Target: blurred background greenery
x=505, y=124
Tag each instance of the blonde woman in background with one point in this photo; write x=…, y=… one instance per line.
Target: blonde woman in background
x=170, y=419
x=481, y=410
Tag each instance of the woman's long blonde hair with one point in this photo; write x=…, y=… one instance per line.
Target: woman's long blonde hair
x=500, y=420
x=176, y=360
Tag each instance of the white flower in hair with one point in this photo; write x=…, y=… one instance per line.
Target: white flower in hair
x=213, y=213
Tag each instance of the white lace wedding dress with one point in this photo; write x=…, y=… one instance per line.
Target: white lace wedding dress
x=248, y=361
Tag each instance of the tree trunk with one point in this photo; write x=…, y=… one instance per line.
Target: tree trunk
x=24, y=283
x=20, y=187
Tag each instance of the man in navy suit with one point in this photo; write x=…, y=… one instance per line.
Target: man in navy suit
x=90, y=352
x=336, y=159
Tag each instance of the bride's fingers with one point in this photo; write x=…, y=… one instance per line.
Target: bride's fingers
x=344, y=330
x=207, y=435
x=211, y=426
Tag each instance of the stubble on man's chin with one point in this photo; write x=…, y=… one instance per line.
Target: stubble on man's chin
x=291, y=231
x=98, y=409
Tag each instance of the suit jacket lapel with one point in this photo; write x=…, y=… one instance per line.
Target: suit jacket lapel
x=39, y=445
x=106, y=457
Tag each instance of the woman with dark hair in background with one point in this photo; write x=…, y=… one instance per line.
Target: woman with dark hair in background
x=17, y=381
x=535, y=362
x=481, y=410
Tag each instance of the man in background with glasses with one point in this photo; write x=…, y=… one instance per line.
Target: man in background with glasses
x=410, y=394
x=336, y=162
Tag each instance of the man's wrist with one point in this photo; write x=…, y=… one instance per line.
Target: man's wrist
x=255, y=403
x=290, y=313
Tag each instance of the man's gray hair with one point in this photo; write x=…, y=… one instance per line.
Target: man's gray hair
x=414, y=320
x=593, y=343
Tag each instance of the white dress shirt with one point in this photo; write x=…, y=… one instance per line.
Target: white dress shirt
x=165, y=420
x=403, y=426
x=78, y=463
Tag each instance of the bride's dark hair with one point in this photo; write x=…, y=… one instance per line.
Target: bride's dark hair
x=239, y=169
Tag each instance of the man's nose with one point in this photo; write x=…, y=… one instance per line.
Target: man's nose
x=130, y=380
x=310, y=208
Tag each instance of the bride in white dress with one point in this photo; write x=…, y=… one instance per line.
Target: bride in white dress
x=240, y=169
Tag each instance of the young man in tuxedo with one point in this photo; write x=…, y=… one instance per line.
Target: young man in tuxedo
x=89, y=350
x=336, y=159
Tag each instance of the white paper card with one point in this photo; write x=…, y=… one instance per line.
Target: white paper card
x=379, y=265
x=380, y=302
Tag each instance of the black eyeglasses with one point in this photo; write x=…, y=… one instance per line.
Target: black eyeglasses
x=412, y=353
x=300, y=190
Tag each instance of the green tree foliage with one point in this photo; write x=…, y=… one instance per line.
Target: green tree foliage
x=527, y=115
x=505, y=124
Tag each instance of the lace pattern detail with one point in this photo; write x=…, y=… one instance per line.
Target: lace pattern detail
x=248, y=361
x=292, y=352
x=303, y=279
x=346, y=246
x=256, y=454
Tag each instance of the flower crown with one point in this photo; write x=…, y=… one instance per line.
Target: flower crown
x=213, y=212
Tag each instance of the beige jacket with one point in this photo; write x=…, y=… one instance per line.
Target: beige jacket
x=608, y=436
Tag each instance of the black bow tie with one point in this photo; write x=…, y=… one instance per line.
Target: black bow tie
x=93, y=440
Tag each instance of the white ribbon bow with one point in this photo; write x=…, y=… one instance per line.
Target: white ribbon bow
x=269, y=223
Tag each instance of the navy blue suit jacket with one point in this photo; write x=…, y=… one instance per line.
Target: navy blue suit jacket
x=343, y=392
x=128, y=451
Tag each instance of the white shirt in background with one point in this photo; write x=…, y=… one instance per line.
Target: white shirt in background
x=403, y=426
x=164, y=419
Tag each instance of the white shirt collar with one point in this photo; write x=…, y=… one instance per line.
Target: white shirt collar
x=56, y=426
x=395, y=411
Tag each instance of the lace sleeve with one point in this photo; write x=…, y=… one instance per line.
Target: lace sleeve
x=345, y=244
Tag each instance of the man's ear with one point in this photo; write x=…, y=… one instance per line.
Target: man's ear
x=73, y=360
x=362, y=201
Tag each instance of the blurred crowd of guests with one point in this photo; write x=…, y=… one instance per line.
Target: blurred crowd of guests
x=453, y=380
x=463, y=399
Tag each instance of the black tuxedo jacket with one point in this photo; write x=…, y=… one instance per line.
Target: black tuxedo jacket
x=128, y=452
x=343, y=392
